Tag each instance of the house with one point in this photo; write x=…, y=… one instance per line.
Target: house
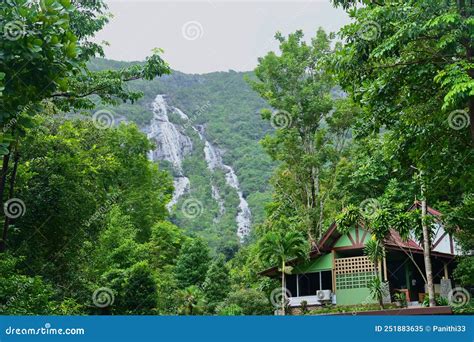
x=338, y=265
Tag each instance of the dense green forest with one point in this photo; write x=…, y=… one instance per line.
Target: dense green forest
x=349, y=127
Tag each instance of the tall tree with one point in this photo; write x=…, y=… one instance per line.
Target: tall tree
x=216, y=286
x=297, y=86
x=192, y=263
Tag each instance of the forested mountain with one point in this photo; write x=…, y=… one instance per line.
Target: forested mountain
x=211, y=119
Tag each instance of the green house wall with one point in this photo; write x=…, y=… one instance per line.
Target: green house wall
x=354, y=296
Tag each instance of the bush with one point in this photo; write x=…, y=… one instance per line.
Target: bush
x=251, y=301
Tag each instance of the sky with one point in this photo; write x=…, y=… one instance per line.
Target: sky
x=203, y=36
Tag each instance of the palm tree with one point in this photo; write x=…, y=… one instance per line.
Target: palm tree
x=192, y=301
x=375, y=252
x=277, y=248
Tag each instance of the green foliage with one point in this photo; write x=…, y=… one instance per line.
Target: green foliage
x=192, y=264
x=440, y=301
x=216, y=286
x=374, y=251
x=231, y=310
x=165, y=243
x=348, y=218
x=467, y=309
x=276, y=248
x=304, y=307
x=191, y=301
x=401, y=298
x=21, y=294
x=250, y=301
x=377, y=290
x=464, y=272
x=225, y=106
x=139, y=295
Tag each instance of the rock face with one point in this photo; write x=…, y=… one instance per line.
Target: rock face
x=173, y=145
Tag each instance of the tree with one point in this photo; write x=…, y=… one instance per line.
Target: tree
x=55, y=38
x=278, y=248
x=191, y=301
x=246, y=302
x=216, y=286
x=139, y=295
x=394, y=51
x=308, y=137
x=165, y=243
x=192, y=263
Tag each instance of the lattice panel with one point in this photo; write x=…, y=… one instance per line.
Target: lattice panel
x=353, y=280
x=359, y=264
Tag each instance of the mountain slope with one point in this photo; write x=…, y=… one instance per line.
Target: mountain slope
x=207, y=128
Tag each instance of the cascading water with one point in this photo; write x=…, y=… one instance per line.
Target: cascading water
x=173, y=146
x=214, y=160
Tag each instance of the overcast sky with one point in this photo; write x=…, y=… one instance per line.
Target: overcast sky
x=210, y=35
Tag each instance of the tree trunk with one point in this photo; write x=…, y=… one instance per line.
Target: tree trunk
x=3, y=180
x=283, y=292
x=426, y=253
x=6, y=223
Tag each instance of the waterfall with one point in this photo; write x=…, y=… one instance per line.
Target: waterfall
x=214, y=160
x=173, y=145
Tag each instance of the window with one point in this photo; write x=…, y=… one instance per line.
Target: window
x=290, y=280
x=326, y=280
x=308, y=284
